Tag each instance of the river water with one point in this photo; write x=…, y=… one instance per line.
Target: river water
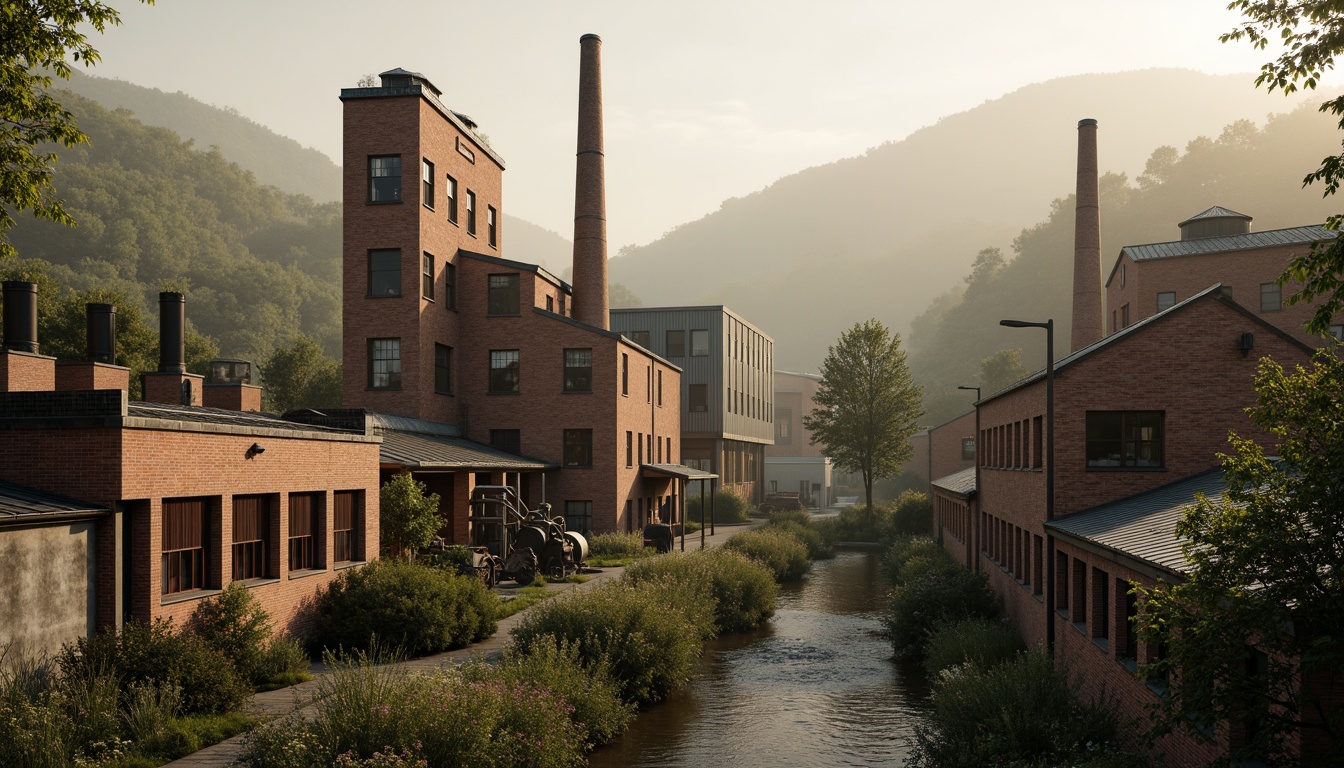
x=816, y=687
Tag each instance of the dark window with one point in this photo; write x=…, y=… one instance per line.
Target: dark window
x=303, y=530
x=1126, y=637
x=579, y=516
x=345, y=526
x=492, y=227
x=427, y=277
x=1078, y=611
x=550, y=303
x=385, y=272
x=183, y=545
x=578, y=370
x=504, y=370
x=1101, y=604
x=507, y=440
x=251, y=538
x=1124, y=439
x=676, y=343
x=1124, y=316
x=699, y=343
x=625, y=374
x=443, y=369
x=660, y=389
x=450, y=285
x=578, y=447
x=503, y=298
x=699, y=398
x=1271, y=297
x=629, y=448
x=451, y=191
x=384, y=363
x=784, y=426
x=427, y=183
x=648, y=385
x=968, y=449
x=1166, y=300
x=471, y=212
x=385, y=179
x=639, y=451
x=641, y=338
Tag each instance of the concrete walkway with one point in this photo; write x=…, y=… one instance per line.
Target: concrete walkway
x=274, y=704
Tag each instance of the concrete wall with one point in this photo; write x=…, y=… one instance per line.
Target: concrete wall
x=784, y=473
x=48, y=594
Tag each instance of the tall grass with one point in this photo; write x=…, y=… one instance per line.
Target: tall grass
x=742, y=590
x=785, y=555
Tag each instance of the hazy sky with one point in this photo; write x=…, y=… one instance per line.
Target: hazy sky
x=704, y=100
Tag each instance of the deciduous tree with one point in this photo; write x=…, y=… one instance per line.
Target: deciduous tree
x=301, y=376
x=408, y=517
x=1254, y=635
x=867, y=404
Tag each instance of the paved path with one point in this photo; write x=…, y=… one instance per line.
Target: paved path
x=272, y=704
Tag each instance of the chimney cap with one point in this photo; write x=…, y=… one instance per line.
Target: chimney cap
x=590, y=36
x=1086, y=121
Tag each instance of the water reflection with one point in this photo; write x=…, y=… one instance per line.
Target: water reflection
x=815, y=687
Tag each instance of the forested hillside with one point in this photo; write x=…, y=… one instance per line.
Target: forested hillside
x=1256, y=171
x=153, y=211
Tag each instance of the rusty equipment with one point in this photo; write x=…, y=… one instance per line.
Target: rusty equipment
x=509, y=541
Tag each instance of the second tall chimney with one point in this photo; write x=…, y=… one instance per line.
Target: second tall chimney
x=590, y=195
x=1086, y=243
x=172, y=332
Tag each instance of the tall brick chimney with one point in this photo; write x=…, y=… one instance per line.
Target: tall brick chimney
x=1086, y=243
x=590, y=195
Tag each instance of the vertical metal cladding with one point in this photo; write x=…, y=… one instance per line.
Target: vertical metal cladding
x=20, y=316
x=172, y=332
x=1087, y=326
x=590, y=196
x=101, y=332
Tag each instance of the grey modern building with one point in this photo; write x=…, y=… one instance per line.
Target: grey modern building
x=727, y=387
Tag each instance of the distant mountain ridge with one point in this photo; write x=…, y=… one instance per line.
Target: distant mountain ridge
x=881, y=234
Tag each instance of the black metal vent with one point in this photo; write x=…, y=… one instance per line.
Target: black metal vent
x=101, y=337
x=172, y=332
x=20, y=316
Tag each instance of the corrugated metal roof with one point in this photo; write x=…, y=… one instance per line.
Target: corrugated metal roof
x=1216, y=212
x=677, y=470
x=423, y=451
x=1274, y=237
x=1144, y=526
x=20, y=505
x=961, y=483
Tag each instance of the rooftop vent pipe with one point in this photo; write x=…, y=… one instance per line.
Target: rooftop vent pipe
x=20, y=316
x=590, y=196
x=172, y=332
x=1086, y=243
x=101, y=334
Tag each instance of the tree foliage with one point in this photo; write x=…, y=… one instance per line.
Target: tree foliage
x=1254, y=634
x=867, y=404
x=38, y=39
x=1310, y=34
x=1001, y=369
x=408, y=517
x=301, y=376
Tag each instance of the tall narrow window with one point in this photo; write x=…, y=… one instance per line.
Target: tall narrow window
x=578, y=370
x=427, y=277
x=629, y=448
x=345, y=527
x=450, y=285
x=384, y=363
x=303, y=529
x=676, y=343
x=699, y=343
x=450, y=189
x=1271, y=297
x=639, y=450
x=251, y=538
x=183, y=545
x=491, y=226
x=578, y=448
x=504, y=298
x=648, y=385
x=1078, y=611
x=1101, y=605
x=427, y=183
x=579, y=516
x=699, y=398
x=1124, y=316
x=471, y=212
x=385, y=179
x=660, y=389
x=625, y=374
x=443, y=369
x=385, y=272
x=504, y=375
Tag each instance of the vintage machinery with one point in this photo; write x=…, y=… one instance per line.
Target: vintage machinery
x=509, y=541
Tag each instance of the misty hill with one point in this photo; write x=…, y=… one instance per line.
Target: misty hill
x=880, y=234
x=525, y=241
x=1256, y=171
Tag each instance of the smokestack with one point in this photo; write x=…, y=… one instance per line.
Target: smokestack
x=1086, y=243
x=20, y=316
x=101, y=333
x=172, y=332
x=590, y=195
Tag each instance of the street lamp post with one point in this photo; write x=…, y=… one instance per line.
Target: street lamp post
x=1049, y=326
x=973, y=535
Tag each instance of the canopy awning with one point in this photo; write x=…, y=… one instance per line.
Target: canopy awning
x=676, y=470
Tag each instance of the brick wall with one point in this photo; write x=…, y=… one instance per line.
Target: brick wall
x=26, y=372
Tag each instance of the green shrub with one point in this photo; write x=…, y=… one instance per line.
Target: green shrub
x=415, y=607
x=911, y=514
x=49, y=720
x=284, y=663
x=742, y=590
x=617, y=545
x=148, y=712
x=234, y=623
x=650, y=634
x=931, y=594
x=777, y=550
x=853, y=524
x=817, y=548
x=729, y=508
x=907, y=548
x=690, y=526
x=1023, y=712
x=791, y=516
x=981, y=642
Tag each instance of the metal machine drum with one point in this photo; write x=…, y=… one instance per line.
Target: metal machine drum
x=531, y=536
x=580, y=545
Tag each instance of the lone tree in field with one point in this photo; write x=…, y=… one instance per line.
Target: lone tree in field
x=867, y=405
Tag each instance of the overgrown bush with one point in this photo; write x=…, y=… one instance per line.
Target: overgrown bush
x=415, y=607
x=742, y=590
x=907, y=548
x=285, y=662
x=777, y=550
x=817, y=548
x=791, y=516
x=931, y=593
x=234, y=623
x=650, y=634
x=911, y=514
x=617, y=545
x=854, y=524
x=50, y=720
x=729, y=508
x=1023, y=712
x=979, y=642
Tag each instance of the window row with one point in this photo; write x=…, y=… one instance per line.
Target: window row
x=953, y=517
x=576, y=446
x=504, y=376
x=1016, y=445
x=639, y=445
x=675, y=342
x=641, y=511
x=1015, y=550
x=653, y=386
x=1099, y=606
x=385, y=187
x=1114, y=440
x=192, y=528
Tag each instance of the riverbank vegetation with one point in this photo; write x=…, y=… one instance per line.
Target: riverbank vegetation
x=910, y=514
x=929, y=590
